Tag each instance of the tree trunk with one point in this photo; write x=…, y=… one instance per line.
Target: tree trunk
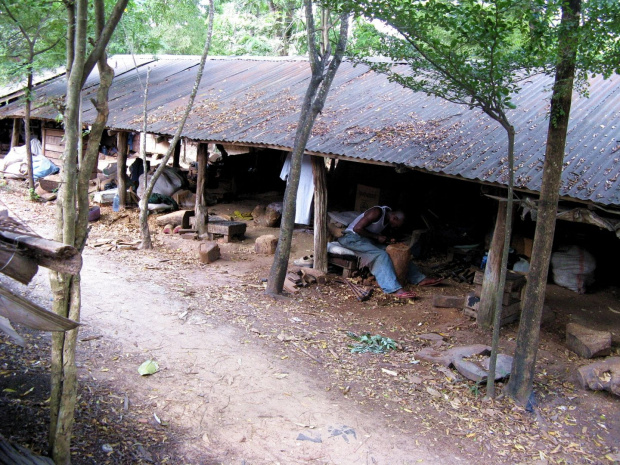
x=27, y=130
x=320, y=213
x=497, y=317
x=121, y=168
x=201, y=212
x=144, y=226
x=63, y=382
x=314, y=99
x=145, y=234
x=72, y=229
x=490, y=285
x=15, y=133
x=521, y=379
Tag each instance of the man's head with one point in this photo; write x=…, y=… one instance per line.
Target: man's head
x=396, y=218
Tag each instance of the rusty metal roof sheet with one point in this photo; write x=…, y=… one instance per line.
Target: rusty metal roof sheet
x=257, y=101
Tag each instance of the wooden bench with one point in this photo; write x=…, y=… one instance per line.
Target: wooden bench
x=228, y=229
x=348, y=263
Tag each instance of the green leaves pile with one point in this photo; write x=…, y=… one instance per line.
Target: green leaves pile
x=376, y=344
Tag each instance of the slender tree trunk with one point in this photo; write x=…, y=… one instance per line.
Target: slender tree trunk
x=63, y=375
x=320, y=213
x=72, y=228
x=15, y=133
x=144, y=226
x=497, y=317
x=121, y=168
x=144, y=200
x=314, y=99
x=201, y=212
x=27, y=127
x=522, y=376
x=275, y=284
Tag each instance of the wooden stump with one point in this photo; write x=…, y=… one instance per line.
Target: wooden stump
x=401, y=256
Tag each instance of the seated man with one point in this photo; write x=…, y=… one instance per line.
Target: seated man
x=365, y=236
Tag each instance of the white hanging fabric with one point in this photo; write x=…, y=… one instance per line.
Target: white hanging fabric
x=305, y=191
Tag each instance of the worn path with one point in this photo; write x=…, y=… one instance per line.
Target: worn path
x=238, y=400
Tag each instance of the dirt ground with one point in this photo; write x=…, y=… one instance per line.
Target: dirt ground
x=247, y=379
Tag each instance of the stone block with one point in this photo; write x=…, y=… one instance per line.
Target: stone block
x=603, y=375
x=266, y=215
x=266, y=245
x=209, y=252
x=586, y=342
x=447, y=301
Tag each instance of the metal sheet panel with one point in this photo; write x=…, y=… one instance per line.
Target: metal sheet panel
x=257, y=101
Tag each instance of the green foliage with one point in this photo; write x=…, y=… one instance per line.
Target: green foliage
x=365, y=40
x=241, y=27
x=468, y=52
x=599, y=45
x=31, y=38
x=33, y=196
x=376, y=344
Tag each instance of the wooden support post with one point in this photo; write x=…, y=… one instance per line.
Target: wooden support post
x=490, y=284
x=15, y=133
x=176, y=160
x=320, y=213
x=121, y=167
x=202, y=215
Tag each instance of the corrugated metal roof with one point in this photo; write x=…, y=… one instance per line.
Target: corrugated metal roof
x=256, y=101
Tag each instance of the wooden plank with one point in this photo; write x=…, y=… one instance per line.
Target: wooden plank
x=22, y=311
x=16, y=266
x=49, y=254
x=54, y=148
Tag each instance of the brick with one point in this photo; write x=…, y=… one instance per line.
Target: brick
x=266, y=245
x=209, y=252
x=447, y=301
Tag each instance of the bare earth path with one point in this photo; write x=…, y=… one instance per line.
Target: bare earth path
x=233, y=398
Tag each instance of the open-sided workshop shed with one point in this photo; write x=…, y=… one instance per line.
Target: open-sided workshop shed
x=253, y=103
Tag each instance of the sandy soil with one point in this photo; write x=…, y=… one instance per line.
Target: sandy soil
x=244, y=378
